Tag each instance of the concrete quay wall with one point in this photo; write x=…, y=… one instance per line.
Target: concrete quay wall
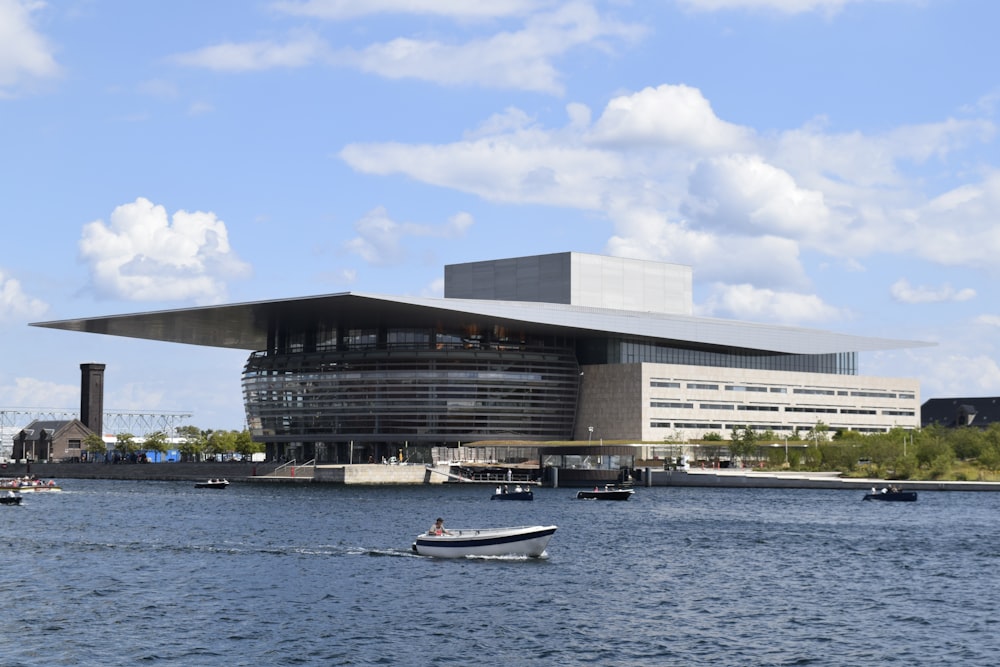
x=377, y=474
x=138, y=471
x=374, y=474
x=797, y=480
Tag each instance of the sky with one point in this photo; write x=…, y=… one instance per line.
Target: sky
x=830, y=164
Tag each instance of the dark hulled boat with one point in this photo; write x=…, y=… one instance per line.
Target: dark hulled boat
x=519, y=493
x=607, y=493
x=892, y=496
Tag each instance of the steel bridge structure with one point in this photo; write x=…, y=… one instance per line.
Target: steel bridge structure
x=138, y=423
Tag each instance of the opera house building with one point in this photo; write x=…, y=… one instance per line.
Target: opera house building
x=548, y=348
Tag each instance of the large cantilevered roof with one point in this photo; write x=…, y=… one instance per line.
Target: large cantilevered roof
x=245, y=325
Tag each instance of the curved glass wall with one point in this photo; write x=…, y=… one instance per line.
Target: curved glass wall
x=411, y=394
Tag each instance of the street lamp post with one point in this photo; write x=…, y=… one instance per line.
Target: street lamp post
x=590, y=434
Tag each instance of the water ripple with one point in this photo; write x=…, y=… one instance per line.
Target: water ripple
x=116, y=573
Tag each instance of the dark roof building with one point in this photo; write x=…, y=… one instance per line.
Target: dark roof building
x=567, y=346
x=51, y=440
x=957, y=412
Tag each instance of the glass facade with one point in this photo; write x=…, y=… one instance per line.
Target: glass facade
x=325, y=388
x=412, y=393
x=629, y=351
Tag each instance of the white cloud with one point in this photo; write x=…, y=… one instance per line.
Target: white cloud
x=668, y=116
x=380, y=238
x=143, y=255
x=25, y=55
x=34, y=393
x=459, y=9
x=763, y=260
x=200, y=108
x=300, y=50
x=680, y=184
x=850, y=162
x=959, y=227
x=954, y=373
x=159, y=88
x=15, y=305
x=343, y=276
x=143, y=396
x=434, y=289
x=901, y=290
x=520, y=59
x=746, y=302
x=743, y=193
x=524, y=167
x=784, y=6
x=988, y=320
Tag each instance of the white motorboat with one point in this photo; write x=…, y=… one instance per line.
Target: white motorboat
x=458, y=543
x=212, y=484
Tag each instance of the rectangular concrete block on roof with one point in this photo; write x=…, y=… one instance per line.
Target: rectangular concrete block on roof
x=577, y=279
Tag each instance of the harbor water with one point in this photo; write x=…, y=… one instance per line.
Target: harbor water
x=161, y=573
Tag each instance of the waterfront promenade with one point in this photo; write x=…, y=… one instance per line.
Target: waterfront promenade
x=375, y=474
x=137, y=471
x=749, y=478
x=367, y=474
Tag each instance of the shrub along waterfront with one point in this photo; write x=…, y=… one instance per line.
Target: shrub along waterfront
x=931, y=453
x=195, y=445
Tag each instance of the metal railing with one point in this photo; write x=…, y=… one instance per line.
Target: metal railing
x=294, y=469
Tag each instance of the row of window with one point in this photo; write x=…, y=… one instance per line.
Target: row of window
x=775, y=408
x=414, y=395
x=759, y=428
x=628, y=351
x=670, y=384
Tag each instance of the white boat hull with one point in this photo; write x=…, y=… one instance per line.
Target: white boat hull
x=519, y=541
x=32, y=489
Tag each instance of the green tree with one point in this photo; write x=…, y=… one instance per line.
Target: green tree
x=989, y=458
x=968, y=443
x=743, y=443
x=156, y=442
x=245, y=445
x=125, y=444
x=95, y=447
x=221, y=442
x=194, y=442
x=932, y=444
x=838, y=456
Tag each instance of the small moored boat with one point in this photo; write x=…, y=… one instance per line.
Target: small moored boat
x=607, y=493
x=892, y=494
x=459, y=543
x=212, y=484
x=519, y=493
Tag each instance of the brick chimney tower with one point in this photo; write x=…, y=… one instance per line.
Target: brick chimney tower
x=92, y=397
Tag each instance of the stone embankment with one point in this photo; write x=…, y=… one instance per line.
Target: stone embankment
x=138, y=471
x=366, y=474
x=748, y=478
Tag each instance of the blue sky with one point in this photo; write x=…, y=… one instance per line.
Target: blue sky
x=823, y=163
